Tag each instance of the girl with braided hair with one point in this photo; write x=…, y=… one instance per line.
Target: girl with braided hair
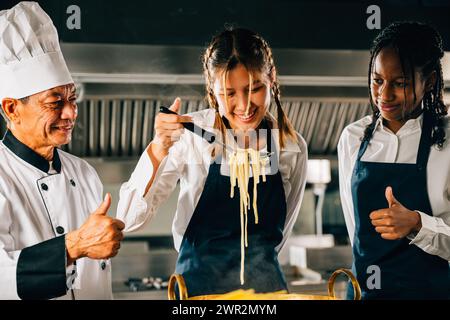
x=221, y=250
x=394, y=169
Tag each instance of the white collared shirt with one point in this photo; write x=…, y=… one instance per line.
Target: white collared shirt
x=402, y=147
x=188, y=162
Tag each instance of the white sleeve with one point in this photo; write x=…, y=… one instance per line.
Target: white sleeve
x=294, y=188
x=135, y=209
x=8, y=256
x=434, y=236
x=345, y=188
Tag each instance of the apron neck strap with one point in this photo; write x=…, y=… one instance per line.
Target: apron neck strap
x=365, y=143
x=425, y=140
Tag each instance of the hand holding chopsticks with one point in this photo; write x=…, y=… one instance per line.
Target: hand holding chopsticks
x=169, y=126
x=208, y=136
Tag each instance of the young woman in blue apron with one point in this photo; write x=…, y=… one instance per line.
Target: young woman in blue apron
x=395, y=201
x=240, y=84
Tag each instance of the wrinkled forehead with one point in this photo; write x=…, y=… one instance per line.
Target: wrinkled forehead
x=60, y=91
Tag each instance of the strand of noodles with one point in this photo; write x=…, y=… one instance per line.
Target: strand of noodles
x=239, y=162
x=237, y=165
x=243, y=177
x=256, y=165
x=241, y=166
x=233, y=173
x=247, y=176
x=244, y=196
x=242, y=244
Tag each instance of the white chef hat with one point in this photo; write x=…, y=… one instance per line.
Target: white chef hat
x=30, y=57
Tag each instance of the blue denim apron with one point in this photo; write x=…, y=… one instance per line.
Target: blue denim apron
x=406, y=271
x=210, y=253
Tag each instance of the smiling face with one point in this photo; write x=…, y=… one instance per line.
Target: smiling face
x=392, y=91
x=232, y=96
x=46, y=119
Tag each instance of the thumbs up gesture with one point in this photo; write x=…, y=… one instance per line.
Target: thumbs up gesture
x=396, y=221
x=98, y=238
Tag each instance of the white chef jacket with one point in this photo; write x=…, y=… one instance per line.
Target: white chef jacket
x=36, y=206
x=188, y=162
x=402, y=147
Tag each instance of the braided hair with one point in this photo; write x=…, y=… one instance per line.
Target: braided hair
x=419, y=46
x=235, y=46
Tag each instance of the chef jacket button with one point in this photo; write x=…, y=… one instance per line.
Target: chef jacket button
x=73, y=281
x=72, y=182
x=73, y=271
x=103, y=265
x=60, y=230
x=44, y=186
x=420, y=167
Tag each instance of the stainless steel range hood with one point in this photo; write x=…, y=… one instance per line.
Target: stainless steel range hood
x=123, y=86
x=93, y=63
x=102, y=63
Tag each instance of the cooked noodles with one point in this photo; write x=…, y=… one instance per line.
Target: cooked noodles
x=240, y=163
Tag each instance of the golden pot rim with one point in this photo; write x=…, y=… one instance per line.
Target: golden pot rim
x=178, y=279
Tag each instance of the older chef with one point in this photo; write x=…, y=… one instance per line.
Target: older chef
x=55, y=235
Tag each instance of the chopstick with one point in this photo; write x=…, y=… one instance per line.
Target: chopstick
x=208, y=136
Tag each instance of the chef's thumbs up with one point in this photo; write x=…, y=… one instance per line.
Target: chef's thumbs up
x=175, y=107
x=390, y=197
x=104, y=206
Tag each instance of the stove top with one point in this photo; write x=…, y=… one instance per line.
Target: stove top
x=147, y=283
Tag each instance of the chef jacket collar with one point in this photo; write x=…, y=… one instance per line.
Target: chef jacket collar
x=28, y=155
